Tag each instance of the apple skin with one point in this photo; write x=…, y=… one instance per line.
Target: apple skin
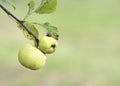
x=31, y=57
x=47, y=44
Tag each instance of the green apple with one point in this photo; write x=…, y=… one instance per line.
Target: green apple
x=47, y=44
x=31, y=57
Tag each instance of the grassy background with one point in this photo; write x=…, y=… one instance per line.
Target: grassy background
x=88, y=52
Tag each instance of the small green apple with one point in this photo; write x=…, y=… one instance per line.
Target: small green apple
x=47, y=44
x=31, y=57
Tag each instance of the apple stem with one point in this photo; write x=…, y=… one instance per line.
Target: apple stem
x=21, y=23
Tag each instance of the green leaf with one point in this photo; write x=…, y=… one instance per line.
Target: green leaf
x=51, y=30
x=31, y=5
x=10, y=3
x=46, y=7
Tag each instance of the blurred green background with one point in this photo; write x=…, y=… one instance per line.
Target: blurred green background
x=88, y=52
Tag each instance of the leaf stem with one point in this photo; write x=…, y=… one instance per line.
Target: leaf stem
x=38, y=24
x=20, y=22
x=28, y=13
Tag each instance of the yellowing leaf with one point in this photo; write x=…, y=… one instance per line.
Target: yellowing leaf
x=31, y=27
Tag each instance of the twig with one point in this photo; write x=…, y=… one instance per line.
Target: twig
x=20, y=22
